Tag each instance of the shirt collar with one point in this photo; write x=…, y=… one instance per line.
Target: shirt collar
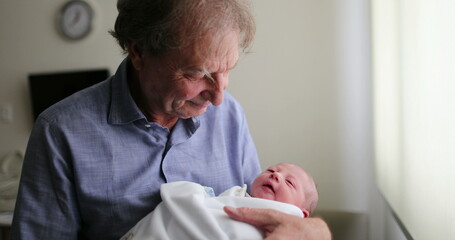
x=123, y=108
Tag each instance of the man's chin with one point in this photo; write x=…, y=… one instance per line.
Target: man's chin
x=199, y=112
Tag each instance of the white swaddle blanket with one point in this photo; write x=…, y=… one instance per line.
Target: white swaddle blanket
x=188, y=212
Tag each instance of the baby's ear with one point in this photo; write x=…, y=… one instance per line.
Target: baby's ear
x=306, y=213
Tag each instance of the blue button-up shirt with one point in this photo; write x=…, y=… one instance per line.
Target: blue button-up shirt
x=94, y=164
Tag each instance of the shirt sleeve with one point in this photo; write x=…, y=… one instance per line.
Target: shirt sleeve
x=46, y=206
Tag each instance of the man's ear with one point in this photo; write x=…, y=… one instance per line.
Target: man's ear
x=136, y=56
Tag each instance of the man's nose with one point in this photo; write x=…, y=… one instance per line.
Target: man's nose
x=218, y=84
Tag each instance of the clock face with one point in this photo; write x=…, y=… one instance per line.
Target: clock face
x=75, y=20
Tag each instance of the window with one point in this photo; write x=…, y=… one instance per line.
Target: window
x=414, y=107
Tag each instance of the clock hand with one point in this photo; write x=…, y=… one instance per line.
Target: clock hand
x=76, y=18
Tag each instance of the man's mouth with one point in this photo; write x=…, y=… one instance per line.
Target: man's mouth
x=200, y=105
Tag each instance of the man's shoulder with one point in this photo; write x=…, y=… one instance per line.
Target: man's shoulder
x=230, y=100
x=230, y=107
x=90, y=101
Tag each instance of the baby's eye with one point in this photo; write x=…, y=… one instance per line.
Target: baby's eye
x=270, y=170
x=290, y=182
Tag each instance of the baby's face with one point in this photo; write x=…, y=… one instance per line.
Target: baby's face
x=282, y=182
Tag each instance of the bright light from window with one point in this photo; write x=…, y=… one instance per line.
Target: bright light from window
x=414, y=88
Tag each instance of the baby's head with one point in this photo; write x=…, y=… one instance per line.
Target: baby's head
x=288, y=183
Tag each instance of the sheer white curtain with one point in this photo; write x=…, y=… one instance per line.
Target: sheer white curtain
x=414, y=108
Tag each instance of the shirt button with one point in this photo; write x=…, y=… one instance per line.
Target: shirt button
x=148, y=125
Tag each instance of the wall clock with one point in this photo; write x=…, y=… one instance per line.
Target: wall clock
x=75, y=19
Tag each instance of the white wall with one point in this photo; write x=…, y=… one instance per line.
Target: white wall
x=30, y=43
x=305, y=88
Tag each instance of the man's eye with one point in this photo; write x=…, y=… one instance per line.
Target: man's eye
x=193, y=77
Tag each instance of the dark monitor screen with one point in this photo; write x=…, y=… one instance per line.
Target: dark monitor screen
x=49, y=88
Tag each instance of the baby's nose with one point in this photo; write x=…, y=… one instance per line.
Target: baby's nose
x=275, y=176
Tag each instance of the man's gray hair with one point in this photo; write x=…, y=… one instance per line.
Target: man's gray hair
x=160, y=26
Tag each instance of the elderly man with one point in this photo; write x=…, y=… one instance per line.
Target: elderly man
x=95, y=161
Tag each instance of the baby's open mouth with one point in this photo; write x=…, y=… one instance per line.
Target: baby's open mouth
x=268, y=186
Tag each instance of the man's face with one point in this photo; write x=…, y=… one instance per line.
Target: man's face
x=184, y=83
x=282, y=182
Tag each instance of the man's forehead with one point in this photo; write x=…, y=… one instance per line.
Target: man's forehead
x=216, y=64
x=205, y=52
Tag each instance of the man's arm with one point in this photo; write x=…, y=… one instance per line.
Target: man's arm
x=45, y=207
x=277, y=225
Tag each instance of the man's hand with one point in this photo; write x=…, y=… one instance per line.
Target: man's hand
x=277, y=225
